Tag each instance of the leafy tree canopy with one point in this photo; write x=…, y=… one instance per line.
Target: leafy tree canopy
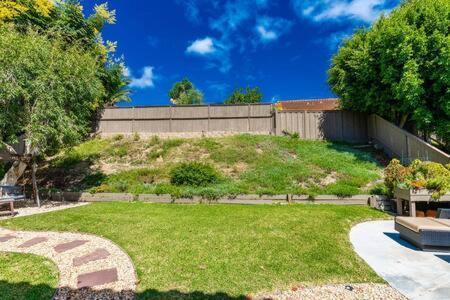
x=247, y=96
x=49, y=92
x=56, y=73
x=185, y=93
x=400, y=68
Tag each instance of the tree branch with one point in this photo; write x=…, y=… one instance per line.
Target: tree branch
x=9, y=148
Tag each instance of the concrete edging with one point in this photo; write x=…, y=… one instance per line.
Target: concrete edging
x=373, y=201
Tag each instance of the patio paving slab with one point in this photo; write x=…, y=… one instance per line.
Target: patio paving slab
x=415, y=273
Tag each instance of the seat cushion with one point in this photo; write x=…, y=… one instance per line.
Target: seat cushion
x=418, y=224
x=443, y=221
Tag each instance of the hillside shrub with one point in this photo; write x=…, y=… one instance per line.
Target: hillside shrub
x=194, y=174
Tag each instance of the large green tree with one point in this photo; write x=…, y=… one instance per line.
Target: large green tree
x=400, y=68
x=56, y=74
x=245, y=96
x=185, y=93
x=48, y=94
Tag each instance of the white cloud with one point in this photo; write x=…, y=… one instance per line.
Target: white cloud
x=336, y=10
x=145, y=81
x=236, y=25
x=270, y=29
x=202, y=46
x=266, y=35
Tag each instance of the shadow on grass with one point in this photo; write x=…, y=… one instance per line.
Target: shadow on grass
x=25, y=291
x=361, y=154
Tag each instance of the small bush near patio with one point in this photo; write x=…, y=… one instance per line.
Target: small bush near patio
x=194, y=251
x=25, y=276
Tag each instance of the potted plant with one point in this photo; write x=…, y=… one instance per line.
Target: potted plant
x=420, y=181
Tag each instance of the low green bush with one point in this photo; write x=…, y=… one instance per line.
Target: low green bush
x=193, y=174
x=379, y=189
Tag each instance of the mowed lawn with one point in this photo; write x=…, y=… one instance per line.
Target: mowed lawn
x=27, y=277
x=225, y=250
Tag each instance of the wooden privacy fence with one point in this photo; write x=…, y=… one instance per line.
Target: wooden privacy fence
x=253, y=118
x=402, y=144
x=256, y=118
x=335, y=125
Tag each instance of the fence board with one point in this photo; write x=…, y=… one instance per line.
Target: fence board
x=320, y=125
x=187, y=119
x=402, y=144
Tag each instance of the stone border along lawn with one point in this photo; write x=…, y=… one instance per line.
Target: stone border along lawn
x=239, y=199
x=89, y=266
x=222, y=251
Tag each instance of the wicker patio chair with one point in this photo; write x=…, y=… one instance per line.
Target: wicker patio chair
x=428, y=234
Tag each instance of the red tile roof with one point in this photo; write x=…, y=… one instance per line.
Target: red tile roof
x=309, y=104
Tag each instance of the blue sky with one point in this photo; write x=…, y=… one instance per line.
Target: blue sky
x=283, y=46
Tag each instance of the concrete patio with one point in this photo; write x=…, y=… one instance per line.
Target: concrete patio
x=416, y=274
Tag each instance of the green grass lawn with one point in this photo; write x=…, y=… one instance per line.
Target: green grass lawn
x=247, y=164
x=27, y=277
x=222, y=251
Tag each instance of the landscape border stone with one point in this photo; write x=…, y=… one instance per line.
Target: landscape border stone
x=378, y=202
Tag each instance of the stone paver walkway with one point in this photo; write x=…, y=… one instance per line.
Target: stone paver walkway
x=416, y=274
x=87, y=264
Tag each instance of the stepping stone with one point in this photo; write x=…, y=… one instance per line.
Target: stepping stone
x=96, y=255
x=69, y=246
x=33, y=242
x=6, y=238
x=97, y=278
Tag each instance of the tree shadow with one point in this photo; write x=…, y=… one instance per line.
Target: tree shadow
x=348, y=132
x=25, y=291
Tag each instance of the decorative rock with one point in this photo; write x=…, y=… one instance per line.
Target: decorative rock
x=6, y=238
x=97, y=278
x=69, y=246
x=98, y=254
x=33, y=242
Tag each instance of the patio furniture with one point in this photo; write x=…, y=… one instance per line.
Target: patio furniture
x=9, y=194
x=425, y=233
x=443, y=213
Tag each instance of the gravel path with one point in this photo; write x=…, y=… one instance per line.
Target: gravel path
x=364, y=291
x=90, y=267
x=32, y=209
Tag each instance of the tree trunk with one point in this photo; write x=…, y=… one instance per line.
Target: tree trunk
x=403, y=120
x=14, y=173
x=35, y=186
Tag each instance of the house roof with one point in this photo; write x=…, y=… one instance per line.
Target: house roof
x=309, y=104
